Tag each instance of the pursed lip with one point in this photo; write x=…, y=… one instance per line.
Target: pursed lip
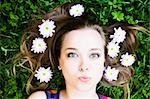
x=84, y=79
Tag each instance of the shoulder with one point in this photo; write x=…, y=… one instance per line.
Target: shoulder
x=38, y=95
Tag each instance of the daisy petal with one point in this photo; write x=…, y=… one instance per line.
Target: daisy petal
x=76, y=10
x=47, y=28
x=111, y=73
x=127, y=60
x=113, y=49
x=44, y=75
x=38, y=45
x=118, y=36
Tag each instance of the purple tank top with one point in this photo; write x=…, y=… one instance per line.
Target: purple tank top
x=50, y=95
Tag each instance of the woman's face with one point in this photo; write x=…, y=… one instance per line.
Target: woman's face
x=82, y=58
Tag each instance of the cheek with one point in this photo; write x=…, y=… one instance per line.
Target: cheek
x=97, y=73
x=98, y=63
x=69, y=70
x=69, y=66
x=97, y=68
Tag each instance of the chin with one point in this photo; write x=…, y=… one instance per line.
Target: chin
x=86, y=87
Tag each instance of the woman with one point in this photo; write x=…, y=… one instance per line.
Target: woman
x=66, y=39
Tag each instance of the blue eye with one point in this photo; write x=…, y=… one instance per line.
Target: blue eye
x=94, y=55
x=72, y=55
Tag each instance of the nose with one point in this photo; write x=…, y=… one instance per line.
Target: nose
x=83, y=65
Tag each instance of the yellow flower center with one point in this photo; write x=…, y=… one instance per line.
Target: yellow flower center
x=46, y=27
x=126, y=59
x=110, y=74
x=44, y=74
x=111, y=49
x=40, y=45
x=77, y=10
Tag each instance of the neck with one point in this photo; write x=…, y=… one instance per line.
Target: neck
x=72, y=93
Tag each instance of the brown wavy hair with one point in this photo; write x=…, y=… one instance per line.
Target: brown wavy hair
x=65, y=23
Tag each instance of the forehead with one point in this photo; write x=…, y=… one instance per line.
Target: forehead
x=83, y=38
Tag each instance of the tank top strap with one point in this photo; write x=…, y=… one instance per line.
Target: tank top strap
x=50, y=95
x=103, y=97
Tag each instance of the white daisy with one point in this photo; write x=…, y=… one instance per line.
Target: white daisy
x=47, y=28
x=38, y=45
x=118, y=36
x=127, y=60
x=111, y=74
x=76, y=10
x=113, y=49
x=44, y=75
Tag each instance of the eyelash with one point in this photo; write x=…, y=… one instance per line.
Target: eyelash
x=94, y=55
x=72, y=55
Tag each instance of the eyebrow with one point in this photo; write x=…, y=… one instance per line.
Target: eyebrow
x=93, y=49
x=70, y=48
